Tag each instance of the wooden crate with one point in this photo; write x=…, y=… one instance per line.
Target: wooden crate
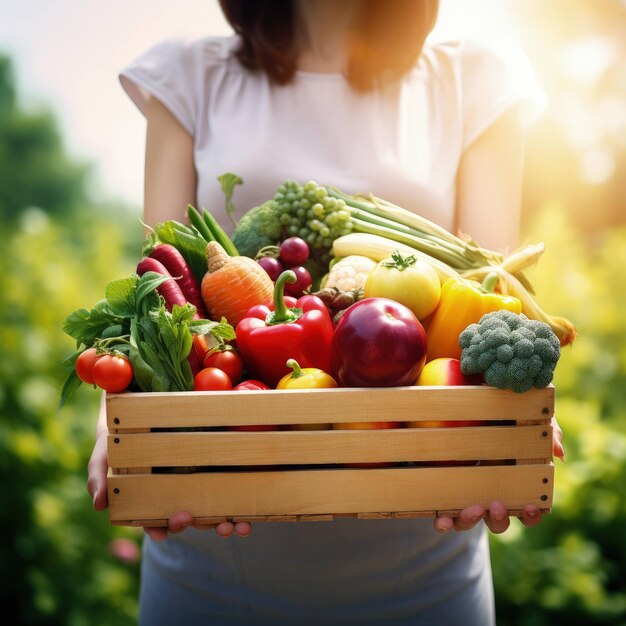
x=170, y=452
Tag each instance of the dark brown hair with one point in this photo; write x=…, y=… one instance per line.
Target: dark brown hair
x=385, y=43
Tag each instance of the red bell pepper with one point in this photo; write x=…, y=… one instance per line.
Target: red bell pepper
x=290, y=329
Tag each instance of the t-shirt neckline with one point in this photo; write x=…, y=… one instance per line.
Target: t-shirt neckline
x=319, y=75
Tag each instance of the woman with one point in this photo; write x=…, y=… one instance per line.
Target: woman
x=345, y=93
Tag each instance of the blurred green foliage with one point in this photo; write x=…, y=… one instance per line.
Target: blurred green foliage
x=59, y=563
x=59, y=568
x=570, y=569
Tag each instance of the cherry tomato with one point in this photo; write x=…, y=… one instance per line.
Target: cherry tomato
x=112, y=373
x=273, y=267
x=251, y=385
x=212, y=379
x=84, y=365
x=228, y=361
x=303, y=281
x=293, y=251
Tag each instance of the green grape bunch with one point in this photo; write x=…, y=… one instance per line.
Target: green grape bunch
x=311, y=213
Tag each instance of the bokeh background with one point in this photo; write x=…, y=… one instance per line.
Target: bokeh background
x=71, y=150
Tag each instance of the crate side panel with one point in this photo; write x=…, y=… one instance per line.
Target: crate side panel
x=327, y=492
x=332, y=446
x=156, y=410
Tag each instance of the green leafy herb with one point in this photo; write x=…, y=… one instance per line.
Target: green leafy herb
x=86, y=326
x=120, y=296
x=222, y=330
x=134, y=321
x=71, y=384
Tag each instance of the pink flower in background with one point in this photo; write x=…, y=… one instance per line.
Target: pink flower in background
x=125, y=550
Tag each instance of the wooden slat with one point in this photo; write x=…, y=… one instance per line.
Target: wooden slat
x=132, y=468
x=332, y=446
x=193, y=409
x=547, y=456
x=255, y=519
x=375, y=515
x=327, y=492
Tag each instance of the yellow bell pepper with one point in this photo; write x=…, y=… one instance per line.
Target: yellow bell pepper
x=305, y=378
x=463, y=302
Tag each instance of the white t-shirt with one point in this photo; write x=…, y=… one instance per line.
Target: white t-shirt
x=403, y=143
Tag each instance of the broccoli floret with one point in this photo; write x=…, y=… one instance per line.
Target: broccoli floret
x=510, y=350
x=259, y=227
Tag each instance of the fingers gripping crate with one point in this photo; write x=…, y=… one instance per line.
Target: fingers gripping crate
x=172, y=452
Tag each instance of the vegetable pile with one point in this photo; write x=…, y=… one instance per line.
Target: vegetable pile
x=316, y=288
x=335, y=223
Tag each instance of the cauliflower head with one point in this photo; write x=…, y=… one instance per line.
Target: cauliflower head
x=510, y=350
x=350, y=273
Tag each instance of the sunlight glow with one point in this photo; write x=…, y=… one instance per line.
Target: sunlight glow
x=586, y=60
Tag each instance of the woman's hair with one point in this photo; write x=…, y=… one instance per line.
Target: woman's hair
x=385, y=43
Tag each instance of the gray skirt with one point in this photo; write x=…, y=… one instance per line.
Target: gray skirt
x=347, y=571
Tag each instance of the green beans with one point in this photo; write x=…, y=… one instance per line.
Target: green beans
x=219, y=234
x=210, y=230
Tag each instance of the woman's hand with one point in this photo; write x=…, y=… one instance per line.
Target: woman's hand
x=98, y=465
x=497, y=516
x=97, y=469
x=183, y=520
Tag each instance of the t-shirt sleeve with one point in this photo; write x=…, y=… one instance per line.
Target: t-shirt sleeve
x=491, y=83
x=168, y=72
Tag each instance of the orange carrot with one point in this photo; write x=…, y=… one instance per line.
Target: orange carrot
x=233, y=285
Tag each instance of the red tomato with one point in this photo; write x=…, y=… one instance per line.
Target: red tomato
x=228, y=361
x=84, y=365
x=212, y=379
x=251, y=385
x=112, y=373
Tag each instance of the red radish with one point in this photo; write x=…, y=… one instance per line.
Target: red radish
x=175, y=264
x=172, y=294
x=170, y=289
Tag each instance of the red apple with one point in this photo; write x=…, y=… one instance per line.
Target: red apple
x=443, y=371
x=378, y=343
